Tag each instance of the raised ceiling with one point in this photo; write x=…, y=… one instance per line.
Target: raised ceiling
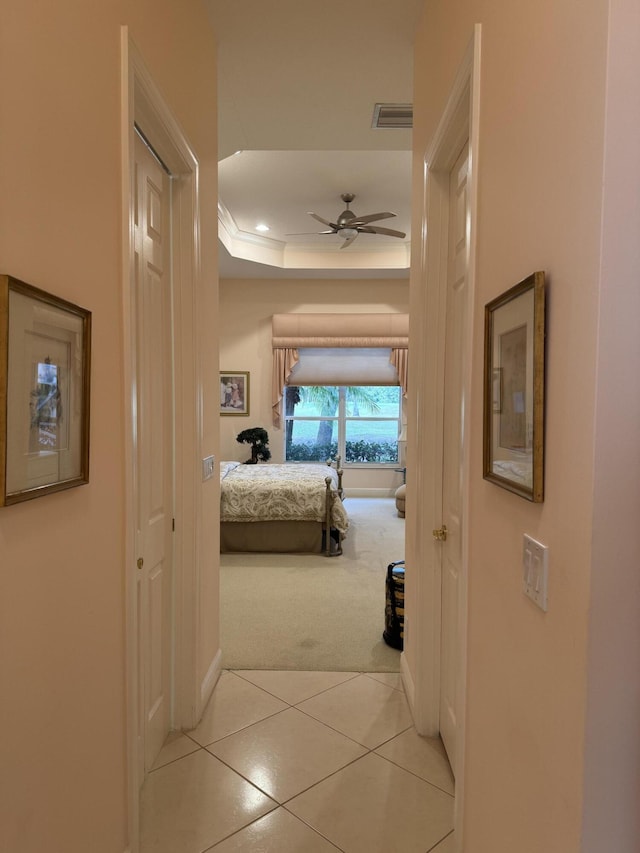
x=298, y=83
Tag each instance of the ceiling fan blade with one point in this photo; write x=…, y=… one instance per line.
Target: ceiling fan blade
x=375, y=229
x=320, y=219
x=373, y=217
x=348, y=241
x=307, y=233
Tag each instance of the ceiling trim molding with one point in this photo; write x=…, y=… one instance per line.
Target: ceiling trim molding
x=228, y=228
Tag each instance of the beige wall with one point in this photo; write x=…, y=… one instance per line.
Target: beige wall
x=246, y=308
x=611, y=818
x=540, y=172
x=62, y=657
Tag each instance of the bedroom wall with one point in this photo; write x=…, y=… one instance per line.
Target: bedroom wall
x=246, y=308
x=62, y=656
x=552, y=698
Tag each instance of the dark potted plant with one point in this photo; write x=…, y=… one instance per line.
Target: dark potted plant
x=258, y=438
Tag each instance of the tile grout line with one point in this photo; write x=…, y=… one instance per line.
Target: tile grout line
x=306, y=823
x=417, y=776
x=304, y=790
x=242, y=728
x=431, y=849
x=313, y=696
x=368, y=749
x=240, y=829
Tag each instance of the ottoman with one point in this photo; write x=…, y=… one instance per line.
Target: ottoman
x=400, y=498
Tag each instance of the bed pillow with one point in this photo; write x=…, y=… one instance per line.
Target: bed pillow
x=225, y=467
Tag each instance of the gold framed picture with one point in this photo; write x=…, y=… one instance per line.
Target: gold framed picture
x=45, y=346
x=234, y=392
x=514, y=389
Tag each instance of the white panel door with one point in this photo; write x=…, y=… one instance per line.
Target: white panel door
x=154, y=442
x=454, y=403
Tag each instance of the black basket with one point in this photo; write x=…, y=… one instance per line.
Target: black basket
x=393, y=633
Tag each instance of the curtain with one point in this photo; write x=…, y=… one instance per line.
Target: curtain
x=400, y=360
x=284, y=359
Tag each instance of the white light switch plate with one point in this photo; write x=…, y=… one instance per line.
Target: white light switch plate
x=207, y=467
x=535, y=571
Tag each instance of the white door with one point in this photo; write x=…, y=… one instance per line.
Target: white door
x=154, y=446
x=453, y=440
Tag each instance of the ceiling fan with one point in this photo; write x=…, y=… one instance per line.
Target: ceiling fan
x=348, y=225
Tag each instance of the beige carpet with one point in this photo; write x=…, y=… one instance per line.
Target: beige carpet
x=309, y=612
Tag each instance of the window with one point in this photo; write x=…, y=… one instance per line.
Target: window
x=359, y=423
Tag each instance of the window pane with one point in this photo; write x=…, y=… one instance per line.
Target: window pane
x=315, y=427
x=312, y=401
x=372, y=401
x=311, y=441
x=371, y=441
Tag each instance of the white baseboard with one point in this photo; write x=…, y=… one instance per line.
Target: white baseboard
x=210, y=680
x=407, y=681
x=370, y=493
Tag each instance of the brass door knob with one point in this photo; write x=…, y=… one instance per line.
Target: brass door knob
x=440, y=533
x=140, y=562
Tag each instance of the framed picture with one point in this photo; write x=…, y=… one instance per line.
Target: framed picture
x=514, y=330
x=234, y=393
x=45, y=346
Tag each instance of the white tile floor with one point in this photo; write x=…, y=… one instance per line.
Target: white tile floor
x=301, y=762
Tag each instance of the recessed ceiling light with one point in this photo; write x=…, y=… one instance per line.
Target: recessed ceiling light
x=262, y=227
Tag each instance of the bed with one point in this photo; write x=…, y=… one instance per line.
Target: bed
x=294, y=507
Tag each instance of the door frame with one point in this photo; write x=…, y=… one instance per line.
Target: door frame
x=142, y=104
x=459, y=123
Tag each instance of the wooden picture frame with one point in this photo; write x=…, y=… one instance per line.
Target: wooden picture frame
x=514, y=340
x=234, y=392
x=45, y=351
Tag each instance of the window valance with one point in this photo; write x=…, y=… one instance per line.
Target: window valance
x=340, y=330
x=298, y=338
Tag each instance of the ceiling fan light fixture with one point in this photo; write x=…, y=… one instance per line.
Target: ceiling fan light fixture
x=347, y=233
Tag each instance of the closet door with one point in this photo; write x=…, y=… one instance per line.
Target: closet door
x=154, y=451
x=454, y=405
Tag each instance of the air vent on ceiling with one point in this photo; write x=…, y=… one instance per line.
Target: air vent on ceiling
x=393, y=116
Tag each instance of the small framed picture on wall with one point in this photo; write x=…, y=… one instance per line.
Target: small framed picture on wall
x=234, y=392
x=514, y=389
x=45, y=352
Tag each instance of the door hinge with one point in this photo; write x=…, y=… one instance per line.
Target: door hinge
x=440, y=533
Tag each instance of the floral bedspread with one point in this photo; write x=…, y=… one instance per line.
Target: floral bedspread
x=288, y=492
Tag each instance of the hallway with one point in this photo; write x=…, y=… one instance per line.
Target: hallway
x=301, y=762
